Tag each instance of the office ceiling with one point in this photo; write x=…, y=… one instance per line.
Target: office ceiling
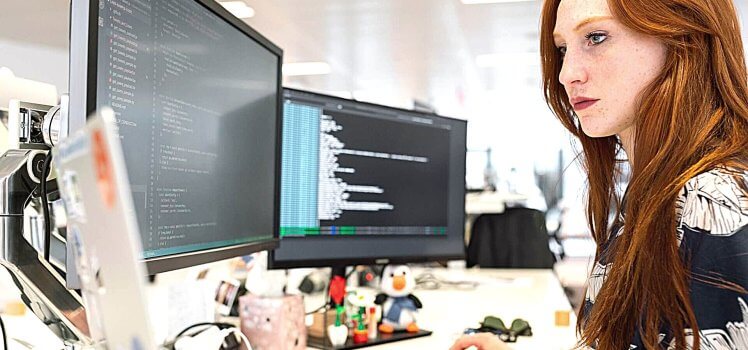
x=390, y=51
x=387, y=51
x=35, y=22
x=398, y=50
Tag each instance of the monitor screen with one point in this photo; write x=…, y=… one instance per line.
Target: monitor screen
x=196, y=94
x=364, y=183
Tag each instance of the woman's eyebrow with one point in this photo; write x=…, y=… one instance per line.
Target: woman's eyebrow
x=582, y=23
x=589, y=20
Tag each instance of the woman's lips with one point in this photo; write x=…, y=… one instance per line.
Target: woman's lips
x=584, y=104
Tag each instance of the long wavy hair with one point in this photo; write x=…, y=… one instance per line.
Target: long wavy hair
x=692, y=118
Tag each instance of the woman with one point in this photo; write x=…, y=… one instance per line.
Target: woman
x=663, y=81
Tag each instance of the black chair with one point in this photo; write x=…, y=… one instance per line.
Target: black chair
x=516, y=238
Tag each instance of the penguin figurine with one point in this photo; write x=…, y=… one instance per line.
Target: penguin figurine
x=399, y=306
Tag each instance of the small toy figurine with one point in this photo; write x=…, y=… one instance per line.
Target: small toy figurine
x=371, y=322
x=360, y=333
x=338, y=332
x=399, y=306
x=337, y=290
x=360, y=301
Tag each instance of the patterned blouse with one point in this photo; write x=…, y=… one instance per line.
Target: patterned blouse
x=712, y=214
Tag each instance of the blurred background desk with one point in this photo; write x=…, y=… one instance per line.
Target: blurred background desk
x=490, y=202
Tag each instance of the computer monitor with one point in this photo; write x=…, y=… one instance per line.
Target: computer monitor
x=368, y=184
x=196, y=93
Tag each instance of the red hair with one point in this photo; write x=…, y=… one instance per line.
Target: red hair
x=692, y=118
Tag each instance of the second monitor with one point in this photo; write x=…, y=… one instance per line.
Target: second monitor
x=368, y=184
x=196, y=96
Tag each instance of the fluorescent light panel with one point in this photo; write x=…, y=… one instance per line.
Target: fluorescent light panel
x=306, y=68
x=240, y=9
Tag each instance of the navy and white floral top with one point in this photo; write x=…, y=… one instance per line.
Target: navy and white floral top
x=712, y=214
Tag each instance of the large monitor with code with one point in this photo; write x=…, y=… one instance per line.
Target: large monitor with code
x=196, y=96
x=364, y=183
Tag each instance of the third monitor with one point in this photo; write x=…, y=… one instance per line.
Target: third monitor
x=368, y=184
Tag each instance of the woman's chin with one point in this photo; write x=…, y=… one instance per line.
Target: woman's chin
x=596, y=132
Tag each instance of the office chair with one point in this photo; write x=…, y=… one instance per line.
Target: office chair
x=516, y=238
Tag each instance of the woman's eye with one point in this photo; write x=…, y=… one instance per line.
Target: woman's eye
x=596, y=38
x=562, y=51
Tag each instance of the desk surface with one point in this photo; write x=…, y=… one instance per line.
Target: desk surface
x=533, y=295
x=27, y=331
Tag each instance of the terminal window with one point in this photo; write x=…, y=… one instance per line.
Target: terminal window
x=195, y=101
x=359, y=169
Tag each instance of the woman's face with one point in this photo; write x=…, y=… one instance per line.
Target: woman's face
x=605, y=66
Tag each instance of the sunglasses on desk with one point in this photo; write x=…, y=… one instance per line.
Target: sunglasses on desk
x=507, y=337
x=495, y=325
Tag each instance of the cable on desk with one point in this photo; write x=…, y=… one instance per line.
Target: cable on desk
x=220, y=325
x=5, y=335
x=45, y=205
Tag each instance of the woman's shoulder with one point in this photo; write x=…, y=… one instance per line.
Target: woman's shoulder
x=714, y=202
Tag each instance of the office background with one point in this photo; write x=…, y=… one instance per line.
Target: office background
x=477, y=62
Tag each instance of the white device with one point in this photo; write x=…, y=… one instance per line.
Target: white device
x=103, y=229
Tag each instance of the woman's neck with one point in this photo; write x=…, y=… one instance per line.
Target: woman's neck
x=627, y=141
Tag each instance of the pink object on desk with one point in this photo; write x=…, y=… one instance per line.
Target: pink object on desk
x=273, y=323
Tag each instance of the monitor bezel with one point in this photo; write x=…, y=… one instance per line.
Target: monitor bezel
x=82, y=86
x=273, y=263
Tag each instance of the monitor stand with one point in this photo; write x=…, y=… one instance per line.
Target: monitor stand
x=382, y=338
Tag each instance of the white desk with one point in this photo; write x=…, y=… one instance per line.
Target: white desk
x=28, y=329
x=533, y=295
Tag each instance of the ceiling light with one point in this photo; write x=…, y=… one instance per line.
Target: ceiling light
x=476, y=2
x=238, y=9
x=508, y=59
x=306, y=68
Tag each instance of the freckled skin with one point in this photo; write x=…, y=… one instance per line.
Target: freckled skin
x=615, y=70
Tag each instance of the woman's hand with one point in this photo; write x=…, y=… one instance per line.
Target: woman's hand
x=482, y=341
